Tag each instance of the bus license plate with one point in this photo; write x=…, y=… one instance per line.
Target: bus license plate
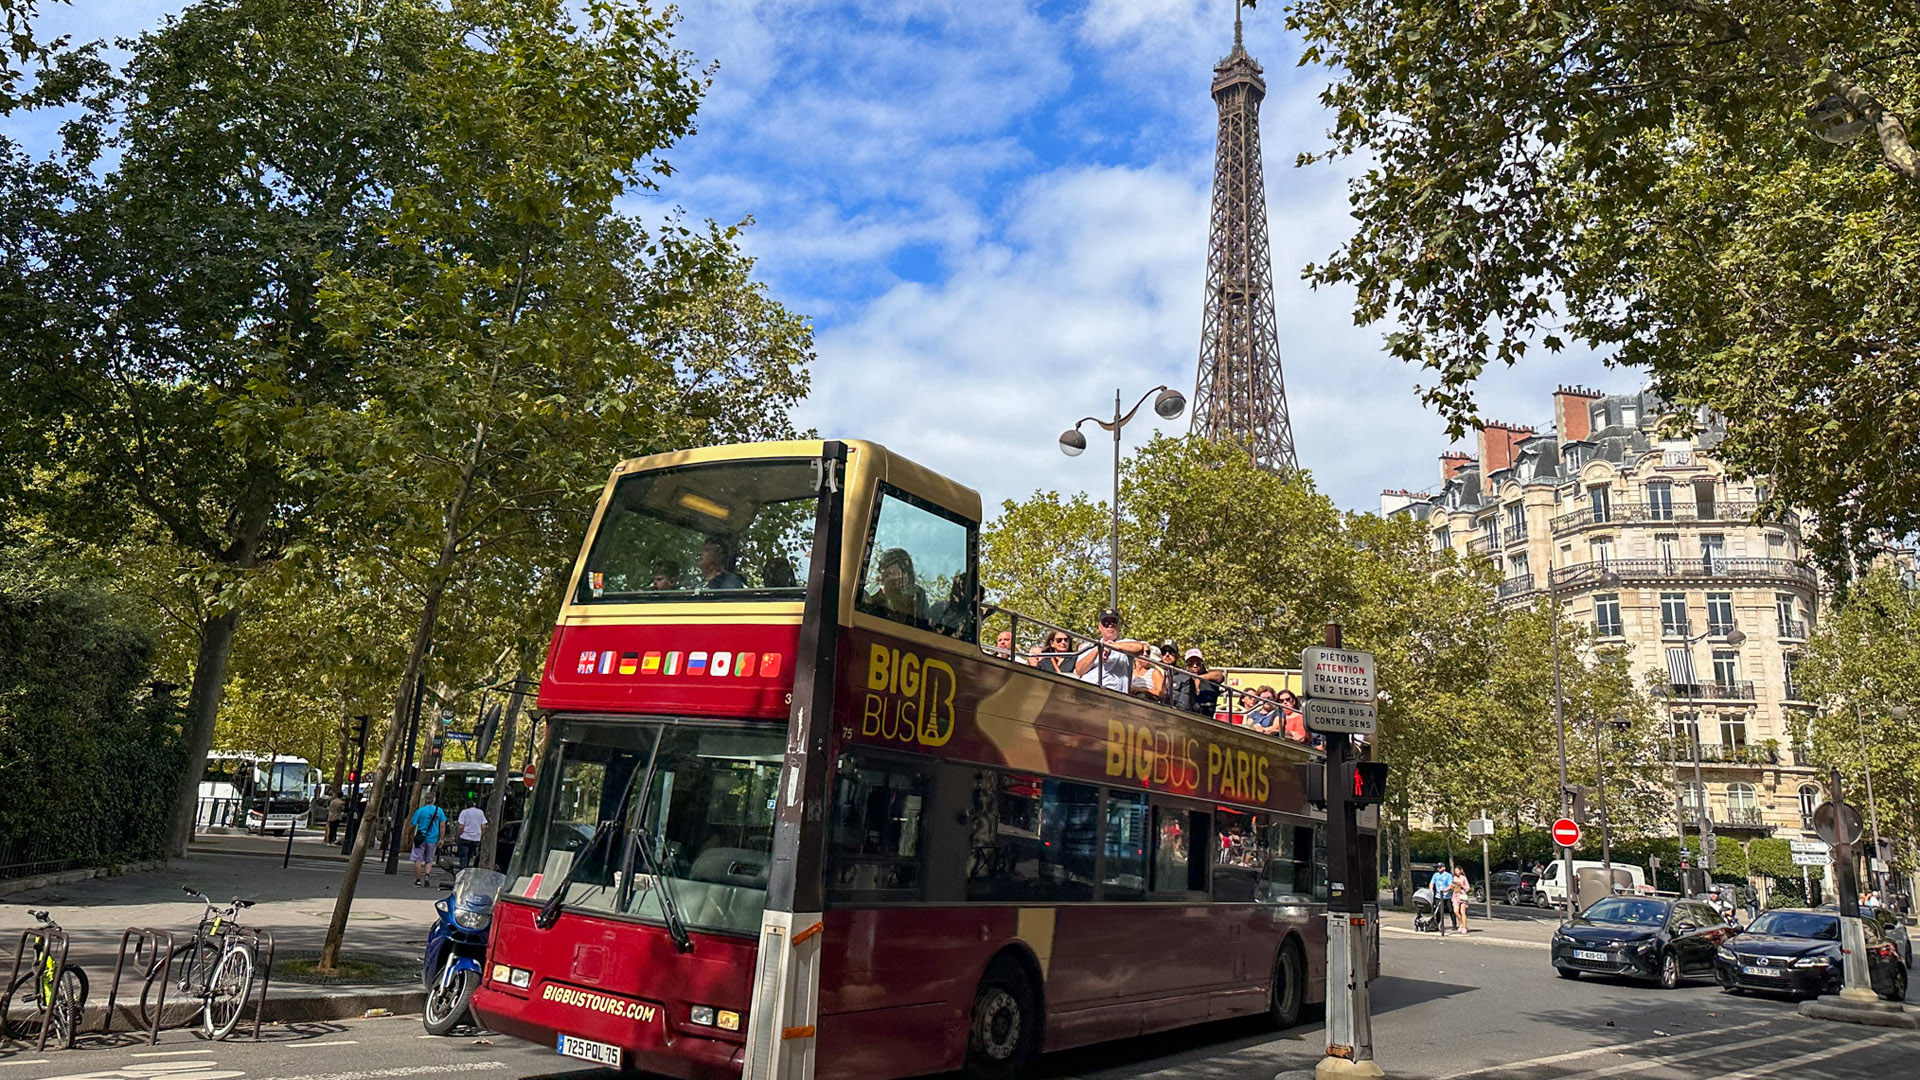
x=587, y=1050
x=1769, y=972
x=1589, y=954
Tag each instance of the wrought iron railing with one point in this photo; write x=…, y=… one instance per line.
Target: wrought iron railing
x=1792, y=628
x=1513, y=534
x=1519, y=585
x=1732, y=569
x=1748, y=816
x=1609, y=629
x=1480, y=545
x=1736, y=512
x=1711, y=691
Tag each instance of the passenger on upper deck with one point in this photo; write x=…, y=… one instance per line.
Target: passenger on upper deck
x=1196, y=689
x=1264, y=715
x=1002, y=645
x=1055, y=654
x=666, y=576
x=1293, y=724
x=778, y=574
x=716, y=565
x=1110, y=662
x=900, y=595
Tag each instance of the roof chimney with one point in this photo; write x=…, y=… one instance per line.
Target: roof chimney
x=1497, y=443
x=1570, y=416
x=1451, y=464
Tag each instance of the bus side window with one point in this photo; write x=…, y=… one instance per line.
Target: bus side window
x=1126, y=842
x=1240, y=859
x=874, y=848
x=1030, y=838
x=920, y=566
x=1180, y=841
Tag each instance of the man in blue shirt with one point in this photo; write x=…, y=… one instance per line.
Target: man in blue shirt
x=1441, y=885
x=426, y=824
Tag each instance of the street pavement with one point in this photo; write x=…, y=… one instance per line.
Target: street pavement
x=1481, y=1007
x=388, y=924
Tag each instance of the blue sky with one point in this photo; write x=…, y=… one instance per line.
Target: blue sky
x=994, y=211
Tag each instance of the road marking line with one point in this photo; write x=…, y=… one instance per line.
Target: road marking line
x=1575, y=1055
x=1803, y=1059
x=1506, y=943
x=1674, y=1059
x=29, y=1061
x=170, y=1053
x=404, y=1070
x=342, y=1042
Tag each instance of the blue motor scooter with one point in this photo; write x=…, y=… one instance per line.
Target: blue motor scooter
x=457, y=947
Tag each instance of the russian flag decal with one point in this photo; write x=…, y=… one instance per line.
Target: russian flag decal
x=697, y=664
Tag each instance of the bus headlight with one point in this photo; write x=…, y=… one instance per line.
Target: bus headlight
x=729, y=1020
x=702, y=1015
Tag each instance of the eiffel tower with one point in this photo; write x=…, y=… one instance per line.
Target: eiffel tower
x=1240, y=395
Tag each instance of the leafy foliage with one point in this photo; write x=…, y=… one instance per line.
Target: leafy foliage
x=88, y=755
x=1650, y=178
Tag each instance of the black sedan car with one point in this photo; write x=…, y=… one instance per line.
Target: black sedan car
x=1643, y=938
x=1891, y=924
x=1793, y=951
x=1514, y=887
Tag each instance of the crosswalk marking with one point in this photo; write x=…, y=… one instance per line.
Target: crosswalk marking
x=1795, y=1062
x=1612, y=1048
x=170, y=1053
x=1673, y=1059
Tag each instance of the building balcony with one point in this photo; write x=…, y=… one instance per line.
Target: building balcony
x=1480, y=545
x=1681, y=629
x=1711, y=691
x=1518, y=586
x=1640, y=513
x=1513, y=534
x=1722, y=754
x=1741, y=817
x=1791, y=630
x=1609, y=629
x=1588, y=574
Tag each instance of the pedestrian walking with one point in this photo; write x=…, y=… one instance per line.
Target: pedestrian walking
x=425, y=825
x=336, y=813
x=1462, y=892
x=1442, y=885
x=473, y=825
x=1751, y=897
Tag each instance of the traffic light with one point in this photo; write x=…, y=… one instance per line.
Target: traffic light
x=483, y=739
x=1366, y=782
x=1313, y=781
x=1577, y=800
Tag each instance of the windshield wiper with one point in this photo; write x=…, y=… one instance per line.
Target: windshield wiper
x=550, y=911
x=641, y=844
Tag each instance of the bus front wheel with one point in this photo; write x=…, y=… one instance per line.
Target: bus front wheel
x=1004, y=1030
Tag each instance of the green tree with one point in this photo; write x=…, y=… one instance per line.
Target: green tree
x=524, y=334
x=1655, y=180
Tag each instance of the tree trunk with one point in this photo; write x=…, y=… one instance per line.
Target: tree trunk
x=437, y=581
x=502, y=774
x=203, y=708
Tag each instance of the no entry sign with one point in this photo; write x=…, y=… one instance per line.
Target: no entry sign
x=1566, y=832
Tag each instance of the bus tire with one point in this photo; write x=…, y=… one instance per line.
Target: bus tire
x=1288, y=994
x=1003, y=1027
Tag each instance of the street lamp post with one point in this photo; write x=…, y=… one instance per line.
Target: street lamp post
x=1619, y=724
x=1873, y=815
x=1606, y=578
x=1167, y=404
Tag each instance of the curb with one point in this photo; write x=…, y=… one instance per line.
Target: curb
x=293, y=1008
x=1884, y=1014
x=67, y=877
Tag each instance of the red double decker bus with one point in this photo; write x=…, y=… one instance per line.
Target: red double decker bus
x=791, y=819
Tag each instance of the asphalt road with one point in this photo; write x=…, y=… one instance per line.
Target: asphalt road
x=1443, y=1009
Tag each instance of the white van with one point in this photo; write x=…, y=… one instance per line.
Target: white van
x=1550, y=891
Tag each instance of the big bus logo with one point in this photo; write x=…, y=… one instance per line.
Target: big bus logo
x=909, y=698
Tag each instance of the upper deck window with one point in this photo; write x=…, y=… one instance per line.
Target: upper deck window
x=919, y=567
x=733, y=530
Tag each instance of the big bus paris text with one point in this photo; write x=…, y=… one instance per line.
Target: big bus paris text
x=791, y=819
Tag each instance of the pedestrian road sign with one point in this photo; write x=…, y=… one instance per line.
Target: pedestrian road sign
x=1808, y=847
x=1341, y=717
x=1809, y=858
x=1337, y=674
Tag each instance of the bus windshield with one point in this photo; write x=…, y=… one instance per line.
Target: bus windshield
x=707, y=817
x=733, y=530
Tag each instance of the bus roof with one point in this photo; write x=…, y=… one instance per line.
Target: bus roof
x=876, y=459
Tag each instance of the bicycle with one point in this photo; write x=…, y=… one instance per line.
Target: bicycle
x=215, y=966
x=55, y=992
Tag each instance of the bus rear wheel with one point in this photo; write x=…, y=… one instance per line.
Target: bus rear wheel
x=1003, y=1031
x=1289, y=992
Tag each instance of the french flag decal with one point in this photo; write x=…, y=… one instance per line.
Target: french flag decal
x=697, y=664
x=606, y=662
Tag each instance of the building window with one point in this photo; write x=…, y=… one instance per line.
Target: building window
x=1705, y=506
x=1606, y=615
x=1600, y=549
x=1517, y=567
x=1665, y=547
x=1713, y=553
x=1443, y=539
x=1600, y=503
x=1673, y=614
x=1792, y=689
x=1490, y=528
x=1682, y=728
x=1733, y=729
x=1809, y=798
x=1694, y=796
x=1742, y=797
x=1719, y=613
x=1726, y=668
x=1660, y=501
x=1783, y=610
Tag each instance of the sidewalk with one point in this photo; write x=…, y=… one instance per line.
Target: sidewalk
x=388, y=923
x=1509, y=927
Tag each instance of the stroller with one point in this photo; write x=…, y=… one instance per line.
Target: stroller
x=1427, y=915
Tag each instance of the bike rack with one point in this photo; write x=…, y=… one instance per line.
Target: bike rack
x=48, y=940
x=150, y=945
x=262, y=941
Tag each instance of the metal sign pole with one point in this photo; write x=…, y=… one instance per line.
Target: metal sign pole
x=1349, y=1010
